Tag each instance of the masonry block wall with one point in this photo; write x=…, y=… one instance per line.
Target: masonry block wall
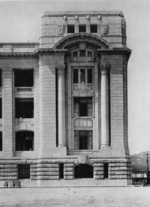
x=76, y=122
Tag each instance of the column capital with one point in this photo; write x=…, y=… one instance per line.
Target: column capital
x=104, y=68
x=60, y=66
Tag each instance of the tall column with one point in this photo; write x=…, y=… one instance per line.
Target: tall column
x=47, y=89
x=104, y=106
x=61, y=105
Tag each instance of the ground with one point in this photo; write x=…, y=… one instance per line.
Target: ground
x=76, y=196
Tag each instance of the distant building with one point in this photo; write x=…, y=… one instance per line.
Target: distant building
x=63, y=104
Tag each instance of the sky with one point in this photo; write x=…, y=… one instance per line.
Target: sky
x=20, y=22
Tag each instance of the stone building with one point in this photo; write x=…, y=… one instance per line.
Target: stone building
x=63, y=102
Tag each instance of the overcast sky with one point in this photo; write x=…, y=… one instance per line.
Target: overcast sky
x=20, y=22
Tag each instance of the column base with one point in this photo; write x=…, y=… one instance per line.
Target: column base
x=60, y=150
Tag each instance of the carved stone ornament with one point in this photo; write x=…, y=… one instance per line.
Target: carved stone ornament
x=65, y=18
x=104, y=29
x=99, y=17
x=104, y=68
x=60, y=66
x=76, y=18
x=88, y=17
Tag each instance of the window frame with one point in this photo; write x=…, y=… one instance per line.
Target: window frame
x=21, y=145
x=19, y=113
x=83, y=102
x=93, y=26
x=81, y=26
x=86, y=75
x=70, y=27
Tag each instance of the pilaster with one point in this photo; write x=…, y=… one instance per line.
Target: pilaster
x=7, y=112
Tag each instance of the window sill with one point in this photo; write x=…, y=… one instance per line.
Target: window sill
x=24, y=120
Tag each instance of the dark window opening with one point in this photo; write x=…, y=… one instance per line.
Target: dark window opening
x=0, y=78
x=24, y=78
x=75, y=76
x=83, y=139
x=105, y=170
x=82, y=28
x=61, y=170
x=89, y=76
x=82, y=106
x=24, y=141
x=82, y=53
x=75, y=54
x=1, y=142
x=0, y=108
x=23, y=171
x=83, y=171
x=24, y=108
x=82, y=75
x=89, y=54
x=70, y=29
x=93, y=28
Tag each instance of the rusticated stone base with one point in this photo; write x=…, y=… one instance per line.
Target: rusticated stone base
x=44, y=172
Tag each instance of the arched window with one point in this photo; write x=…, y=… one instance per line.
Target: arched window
x=83, y=171
x=24, y=141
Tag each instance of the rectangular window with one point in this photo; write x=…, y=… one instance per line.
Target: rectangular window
x=23, y=171
x=75, y=76
x=70, y=29
x=89, y=76
x=82, y=76
x=93, y=28
x=105, y=170
x=24, y=108
x=83, y=139
x=82, y=53
x=23, y=77
x=61, y=171
x=82, y=28
x=24, y=141
x=1, y=142
x=82, y=107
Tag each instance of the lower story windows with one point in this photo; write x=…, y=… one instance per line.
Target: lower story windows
x=105, y=167
x=24, y=141
x=23, y=171
x=83, y=139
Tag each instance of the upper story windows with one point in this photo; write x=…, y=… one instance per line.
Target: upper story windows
x=82, y=28
x=70, y=29
x=82, y=76
x=93, y=28
x=23, y=77
x=86, y=54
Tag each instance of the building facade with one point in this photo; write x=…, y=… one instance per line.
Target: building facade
x=63, y=102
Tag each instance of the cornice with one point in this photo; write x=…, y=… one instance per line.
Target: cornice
x=17, y=54
x=49, y=51
x=116, y=51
